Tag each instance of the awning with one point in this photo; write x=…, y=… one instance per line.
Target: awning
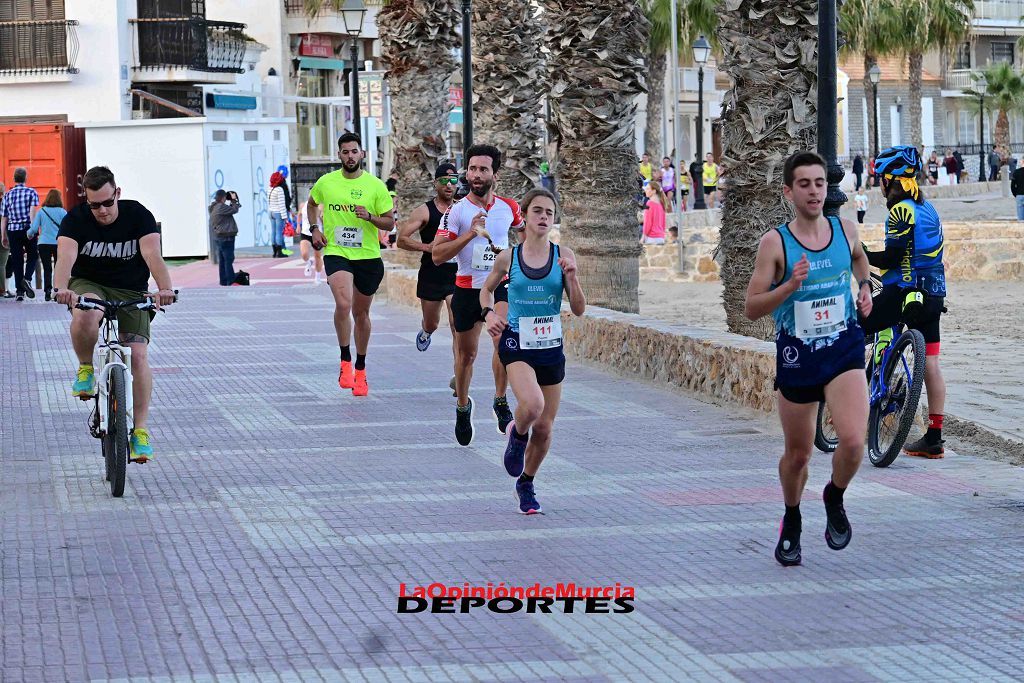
x=321, y=63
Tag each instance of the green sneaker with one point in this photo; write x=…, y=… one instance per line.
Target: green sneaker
x=141, y=450
x=287, y=252
x=85, y=383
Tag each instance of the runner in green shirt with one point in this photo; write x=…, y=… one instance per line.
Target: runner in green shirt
x=357, y=214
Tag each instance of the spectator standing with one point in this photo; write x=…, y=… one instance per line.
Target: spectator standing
x=278, y=214
x=1017, y=190
x=860, y=201
x=933, y=169
x=959, y=166
x=5, y=254
x=222, y=222
x=654, y=214
x=17, y=210
x=44, y=230
x=858, y=172
x=994, y=160
x=952, y=167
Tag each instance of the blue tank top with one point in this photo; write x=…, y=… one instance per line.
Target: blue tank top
x=532, y=295
x=816, y=330
x=917, y=230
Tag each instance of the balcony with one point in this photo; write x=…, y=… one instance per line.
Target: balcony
x=189, y=50
x=990, y=11
x=32, y=51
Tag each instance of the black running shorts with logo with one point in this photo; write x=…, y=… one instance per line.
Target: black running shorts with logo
x=547, y=364
x=466, y=305
x=436, y=283
x=815, y=393
x=367, y=274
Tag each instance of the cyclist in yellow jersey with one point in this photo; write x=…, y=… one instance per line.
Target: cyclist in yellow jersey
x=357, y=212
x=710, y=178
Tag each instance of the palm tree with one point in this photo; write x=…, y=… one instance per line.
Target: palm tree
x=509, y=85
x=696, y=17
x=929, y=24
x=596, y=50
x=417, y=37
x=1005, y=93
x=769, y=51
x=870, y=28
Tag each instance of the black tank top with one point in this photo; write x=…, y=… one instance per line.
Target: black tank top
x=429, y=232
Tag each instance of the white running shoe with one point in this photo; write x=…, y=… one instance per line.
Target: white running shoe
x=309, y=267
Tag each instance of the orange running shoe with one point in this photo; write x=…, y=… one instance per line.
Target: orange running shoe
x=360, y=387
x=345, y=380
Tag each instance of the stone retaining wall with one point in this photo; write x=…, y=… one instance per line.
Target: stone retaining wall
x=720, y=366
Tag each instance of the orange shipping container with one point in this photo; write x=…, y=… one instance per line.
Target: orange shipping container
x=53, y=153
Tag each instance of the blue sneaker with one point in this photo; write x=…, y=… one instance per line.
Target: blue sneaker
x=85, y=383
x=422, y=341
x=141, y=450
x=515, y=452
x=528, y=504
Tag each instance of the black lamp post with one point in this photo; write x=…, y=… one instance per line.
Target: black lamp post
x=352, y=15
x=875, y=75
x=701, y=52
x=980, y=86
x=467, y=77
x=828, y=108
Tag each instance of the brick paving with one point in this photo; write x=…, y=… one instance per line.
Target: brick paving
x=268, y=540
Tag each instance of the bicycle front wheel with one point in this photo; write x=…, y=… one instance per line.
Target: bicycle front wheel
x=892, y=416
x=825, y=438
x=117, y=432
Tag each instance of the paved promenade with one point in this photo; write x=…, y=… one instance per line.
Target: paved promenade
x=268, y=540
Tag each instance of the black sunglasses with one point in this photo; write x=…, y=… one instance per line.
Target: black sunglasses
x=108, y=203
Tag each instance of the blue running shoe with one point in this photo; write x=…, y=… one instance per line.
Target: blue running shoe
x=85, y=382
x=422, y=341
x=528, y=504
x=140, y=447
x=515, y=452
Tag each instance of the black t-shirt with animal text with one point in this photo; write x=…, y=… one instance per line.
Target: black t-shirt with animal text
x=109, y=255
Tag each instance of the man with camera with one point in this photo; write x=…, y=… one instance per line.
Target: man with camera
x=222, y=223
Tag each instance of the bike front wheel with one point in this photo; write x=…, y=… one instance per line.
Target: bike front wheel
x=892, y=416
x=825, y=438
x=117, y=432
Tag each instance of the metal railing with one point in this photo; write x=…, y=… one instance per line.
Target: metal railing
x=961, y=79
x=35, y=47
x=194, y=43
x=295, y=6
x=1004, y=10
x=310, y=173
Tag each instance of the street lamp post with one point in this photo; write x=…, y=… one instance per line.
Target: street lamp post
x=875, y=75
x=674, y=65
x=352, y=15
x=980, y=86
x=467, y=77
x=828, y=114
x=701, y=52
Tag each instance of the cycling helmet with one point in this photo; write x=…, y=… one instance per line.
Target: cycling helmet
x=901, y=161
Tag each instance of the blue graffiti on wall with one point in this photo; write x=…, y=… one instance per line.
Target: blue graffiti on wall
x=262, y=211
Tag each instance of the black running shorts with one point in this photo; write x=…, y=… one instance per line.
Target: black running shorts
x=436, y=283
x=466, y=305
x=367, y=274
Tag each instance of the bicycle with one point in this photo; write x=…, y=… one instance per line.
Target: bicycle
x=895, y=380
x=111, y=420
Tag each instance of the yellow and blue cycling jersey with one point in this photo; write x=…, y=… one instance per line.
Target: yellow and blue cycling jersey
x=914, y=231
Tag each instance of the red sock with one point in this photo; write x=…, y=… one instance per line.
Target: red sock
x=934, y=421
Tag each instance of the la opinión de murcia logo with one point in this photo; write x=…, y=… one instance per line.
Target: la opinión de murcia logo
x=566, y=598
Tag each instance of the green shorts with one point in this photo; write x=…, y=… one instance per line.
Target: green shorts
x=129, y=320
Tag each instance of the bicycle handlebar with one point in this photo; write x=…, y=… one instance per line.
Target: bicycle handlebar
x=144, y=304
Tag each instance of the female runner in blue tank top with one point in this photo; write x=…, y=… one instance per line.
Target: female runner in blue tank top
x=803, y=276
x=530, y=344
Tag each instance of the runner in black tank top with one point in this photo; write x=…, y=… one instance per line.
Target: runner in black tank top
x=434, y=284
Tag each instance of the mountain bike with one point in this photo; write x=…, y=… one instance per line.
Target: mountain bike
x=895, y=378
x=111, y=420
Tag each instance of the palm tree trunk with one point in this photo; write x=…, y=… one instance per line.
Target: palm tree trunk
x=914, y=68
x=655, y=103
x=1002, y=136
x=596, y=50
x=869, y=61
x=416, y=38
x=769, y=50
x=508, y=90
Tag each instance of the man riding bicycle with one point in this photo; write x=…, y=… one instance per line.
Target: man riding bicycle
x=913, y=279
x=106, y=249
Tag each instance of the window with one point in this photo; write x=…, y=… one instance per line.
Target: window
x=968, y=126
x=950, y=137
x=962, y=56
x=314, y=119
x=1002, y=51
x=251, y=136
x=220, y=136
x=277, y=135
x=1016, y=127
x=33, y=45
x=31, y=10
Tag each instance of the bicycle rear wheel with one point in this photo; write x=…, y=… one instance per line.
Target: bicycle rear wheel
x=825, y=438
x=117, y=432
x=892, y=416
